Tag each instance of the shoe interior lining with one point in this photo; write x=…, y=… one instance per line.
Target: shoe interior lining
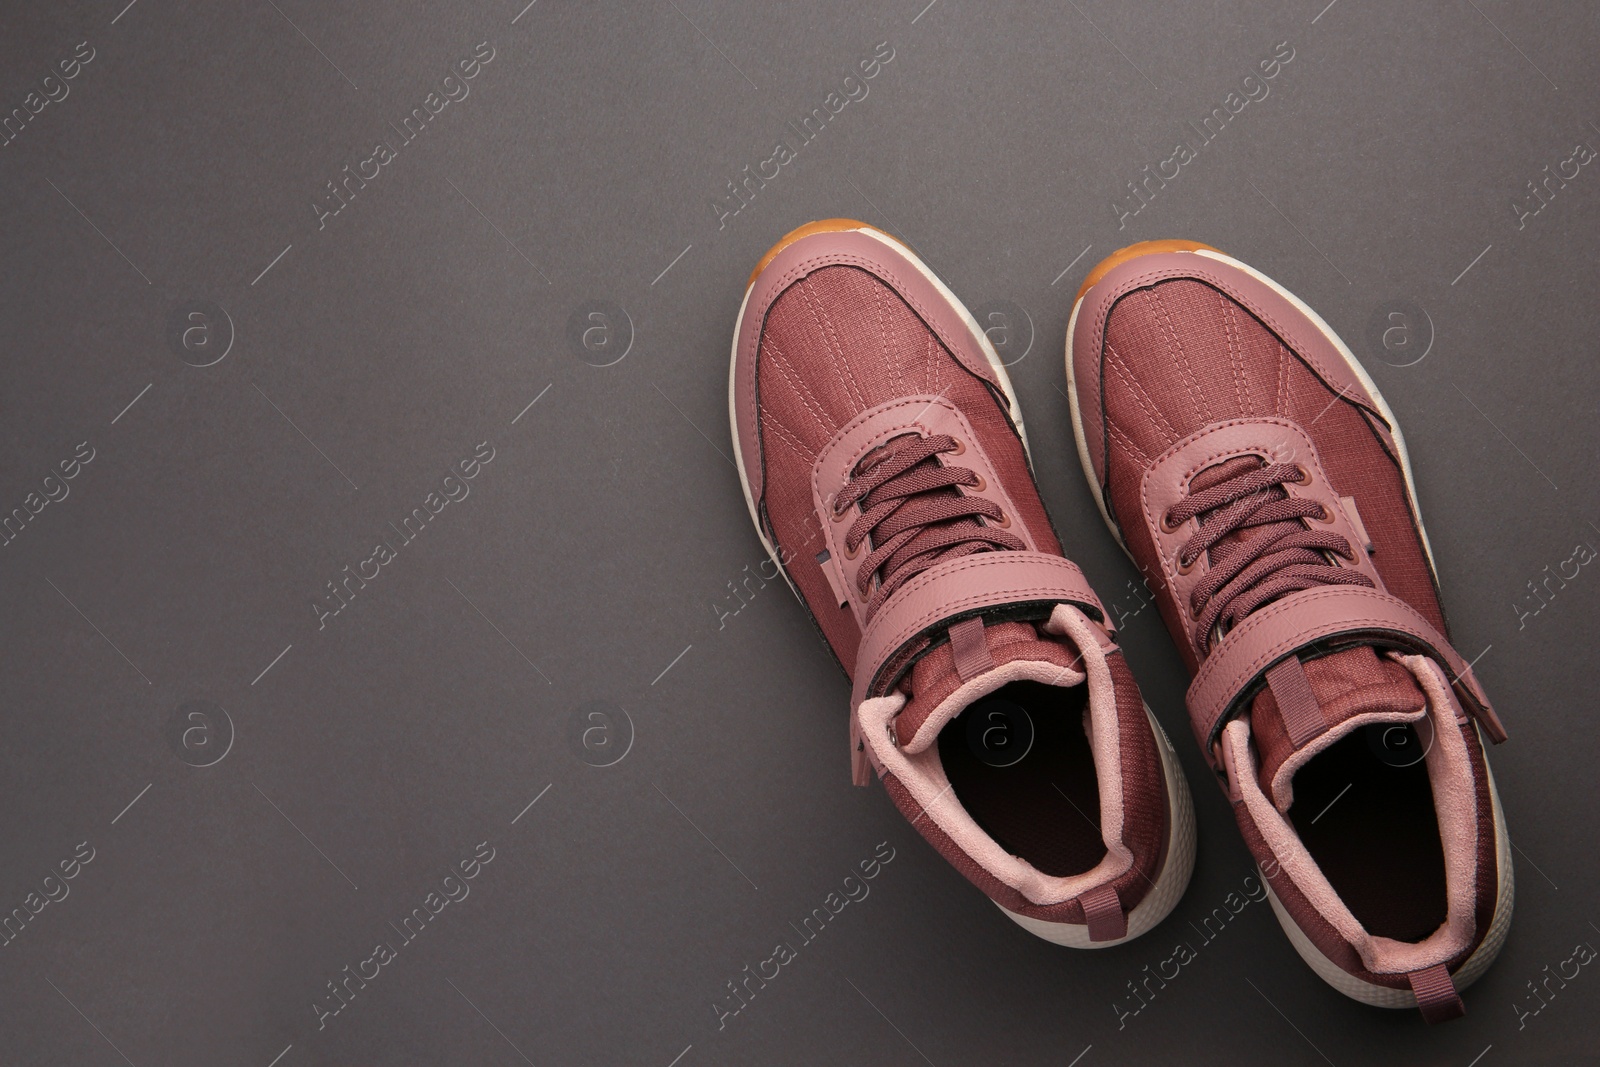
x=1372, y=829
x=1045, y=808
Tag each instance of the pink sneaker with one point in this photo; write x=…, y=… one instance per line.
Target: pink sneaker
x=882, y=455
x=1252, y=471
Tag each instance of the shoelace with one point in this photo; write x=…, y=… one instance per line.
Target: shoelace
x=916, y=517
x=1283, y=557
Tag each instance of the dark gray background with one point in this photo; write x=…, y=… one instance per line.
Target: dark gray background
x=596, y=551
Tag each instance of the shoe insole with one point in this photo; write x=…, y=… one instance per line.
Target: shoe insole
x=1371, y=827
x=1019, y=761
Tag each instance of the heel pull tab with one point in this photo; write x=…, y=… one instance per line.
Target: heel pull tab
x=1437, y=998
x=1102, y=910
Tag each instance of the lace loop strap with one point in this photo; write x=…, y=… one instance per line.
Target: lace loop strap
x=1235, y=669
x=961, y=587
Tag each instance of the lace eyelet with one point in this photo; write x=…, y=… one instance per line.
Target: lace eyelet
x=1184, y=568
x=1005, y=521
x=1305, y=475
x=980, y=487
x=1167, y=525
x=961, y=447
x=852, y=555
x=840, y=516
x=1326, y=516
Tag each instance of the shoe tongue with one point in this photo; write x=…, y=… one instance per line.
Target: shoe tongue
x=1016, y=651
x=1349, y=690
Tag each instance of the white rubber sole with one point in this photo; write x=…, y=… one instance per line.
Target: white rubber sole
x=1329, y=971
x=1169, y=886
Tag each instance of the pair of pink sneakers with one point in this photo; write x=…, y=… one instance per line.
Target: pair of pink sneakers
x=1247, y=464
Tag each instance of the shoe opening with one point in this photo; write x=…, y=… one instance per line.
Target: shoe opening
x=1364, y=809
x=1019, y=761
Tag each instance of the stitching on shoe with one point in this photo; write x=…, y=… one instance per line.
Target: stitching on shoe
x=802, y=390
